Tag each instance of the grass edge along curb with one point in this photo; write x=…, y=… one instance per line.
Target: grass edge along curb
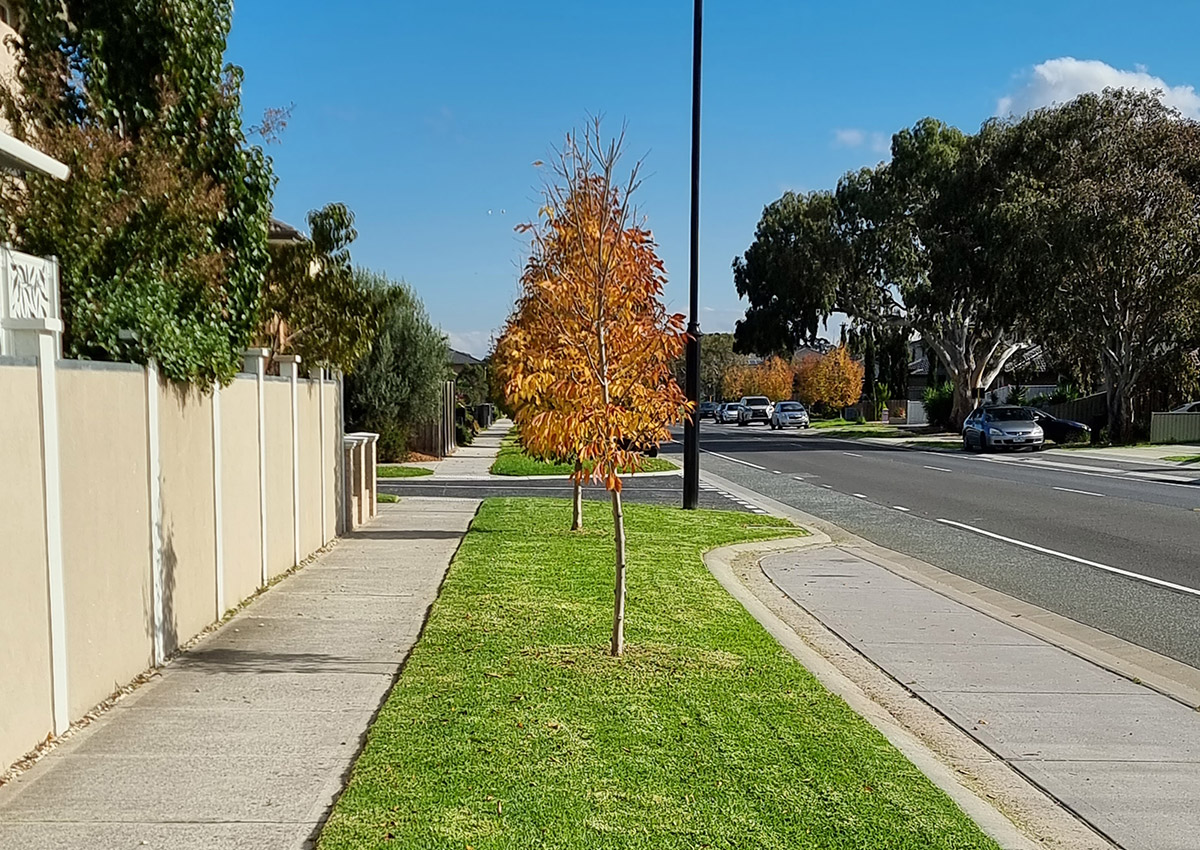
x=512, y=460
x=512, y=728
x=395, y=470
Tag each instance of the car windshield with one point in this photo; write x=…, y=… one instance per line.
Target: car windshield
x=1010, y=414
x=757, y=400
x=789, y=407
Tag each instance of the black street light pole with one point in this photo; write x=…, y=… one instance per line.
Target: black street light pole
x=691, y=430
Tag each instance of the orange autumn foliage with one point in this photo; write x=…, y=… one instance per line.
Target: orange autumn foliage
x=586, y=355
x=772, y=378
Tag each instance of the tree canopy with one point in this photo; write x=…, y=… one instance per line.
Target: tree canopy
x=1075, y=226
x=162, y=228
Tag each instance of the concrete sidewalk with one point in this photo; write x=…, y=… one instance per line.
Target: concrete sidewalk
x=244, y=742
x=475, y=460
x=1123, y=757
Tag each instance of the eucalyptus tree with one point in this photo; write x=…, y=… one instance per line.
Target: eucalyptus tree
x=1103, y=216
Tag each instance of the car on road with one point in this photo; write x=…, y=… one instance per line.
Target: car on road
x=789, y=414
x=727, y=413
x=1190, y=407
x=755, y=408
x=708, y=410
x=1061, y=430
x=1002, y=427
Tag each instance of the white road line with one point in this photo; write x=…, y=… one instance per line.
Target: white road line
x=852, y=454
x=901, y=508
x=1080, y=492
x=939, y=469
x=734, y=460
x=1116, y=570
x=826, y=486
x=859, y=496
x=1062, y=467
x=797, y=477
x=776, y=471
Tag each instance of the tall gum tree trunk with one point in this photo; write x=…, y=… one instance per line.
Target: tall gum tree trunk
x=618, y=630
x=577, y=500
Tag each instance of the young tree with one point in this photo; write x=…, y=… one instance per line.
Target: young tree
x=595, y=272
x=162, y=228
x=313, y=303
x=398, y=384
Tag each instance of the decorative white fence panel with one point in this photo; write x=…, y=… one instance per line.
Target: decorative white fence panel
x=29, y=296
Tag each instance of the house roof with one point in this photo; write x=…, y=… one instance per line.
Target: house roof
x=281, y=231
x=461, y=358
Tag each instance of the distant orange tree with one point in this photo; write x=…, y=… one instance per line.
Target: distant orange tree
x=840, y=378
x=834, y=379
x=809, y=386
x=772, y=378
x=596, y=375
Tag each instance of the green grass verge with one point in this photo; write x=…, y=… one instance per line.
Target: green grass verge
x=1184, y=458
x=388, y=498
x=391, y=470
x=512, y=728
x=512, y=460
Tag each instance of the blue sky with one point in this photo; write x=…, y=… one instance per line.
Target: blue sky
x=426, y=117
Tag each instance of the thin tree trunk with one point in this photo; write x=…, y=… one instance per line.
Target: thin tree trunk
x=618, y=632
x=577, y=500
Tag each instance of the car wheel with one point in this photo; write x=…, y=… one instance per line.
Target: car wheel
x=983, y=444
x=966, y=443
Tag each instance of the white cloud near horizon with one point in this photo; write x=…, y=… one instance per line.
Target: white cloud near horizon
x=1062, y=80
x=475, y=343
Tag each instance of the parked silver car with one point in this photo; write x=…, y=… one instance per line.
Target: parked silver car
x=789, y=414
x=728, y=413
x=1002, y=427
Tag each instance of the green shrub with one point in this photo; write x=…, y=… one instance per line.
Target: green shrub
x=939, y=403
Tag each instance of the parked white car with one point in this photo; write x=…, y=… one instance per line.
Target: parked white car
x=755, y=408
x=789, y=414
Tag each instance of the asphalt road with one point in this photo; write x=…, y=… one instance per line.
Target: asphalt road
x=1052, y=529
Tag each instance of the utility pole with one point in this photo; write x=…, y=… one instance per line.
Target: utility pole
x=691, y=430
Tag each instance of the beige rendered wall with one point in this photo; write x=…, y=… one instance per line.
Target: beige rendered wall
x=333, y=450
x=26, y=714
x=239, y=489
x=308, y=405
x=278, y=403
x=189, y=526
x=106, y=530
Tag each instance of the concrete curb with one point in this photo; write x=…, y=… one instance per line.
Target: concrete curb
x=720, y=563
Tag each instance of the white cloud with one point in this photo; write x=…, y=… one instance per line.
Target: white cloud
x=852, y=137
x=1064, y=79
x=476, y=343
x=849, y=138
